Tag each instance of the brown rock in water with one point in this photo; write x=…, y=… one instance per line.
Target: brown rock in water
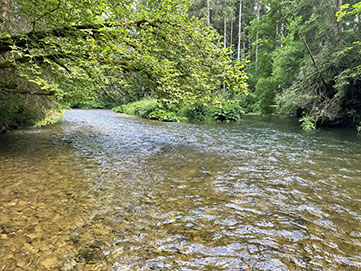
x=50, y=262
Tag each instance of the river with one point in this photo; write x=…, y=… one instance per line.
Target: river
x=105, y=191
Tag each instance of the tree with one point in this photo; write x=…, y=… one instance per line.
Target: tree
x=303, y=61
x=70, y=48
x=321, y=91
x=239, y=32
x=258, y=10
x=208, y=13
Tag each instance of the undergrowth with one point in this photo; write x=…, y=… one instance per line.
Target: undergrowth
x=149, y=108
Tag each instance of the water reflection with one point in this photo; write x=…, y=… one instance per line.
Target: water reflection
x=101, y=191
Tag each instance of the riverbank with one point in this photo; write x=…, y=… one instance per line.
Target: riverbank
x=150, y=108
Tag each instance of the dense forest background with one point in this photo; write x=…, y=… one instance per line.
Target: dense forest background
x=196, y=59
x=304, y=56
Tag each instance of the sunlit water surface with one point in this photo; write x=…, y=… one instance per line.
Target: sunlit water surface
x=103, y=191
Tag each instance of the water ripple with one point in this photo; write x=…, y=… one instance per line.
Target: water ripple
x=107, y=191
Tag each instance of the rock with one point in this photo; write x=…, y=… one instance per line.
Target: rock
x=29, y=248
x=50, y=262
x=70, y=265
x=21, y=263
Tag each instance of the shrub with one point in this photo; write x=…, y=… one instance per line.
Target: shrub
x=17, y=109
x=164, y=115
x=224, y=112
x=221, y=110
x=140, y=108
x=192, y=112
x=148, y=109
x=119, y=109
x=308, y=123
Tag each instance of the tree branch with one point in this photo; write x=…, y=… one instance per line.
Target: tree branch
x=22, y=40
x=46, y=14
x=312, y=57
x=98, y=83
x=9, y=91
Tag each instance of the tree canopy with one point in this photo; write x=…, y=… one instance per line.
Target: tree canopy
x=303, y=60
x=303, y=57
x=113, y=49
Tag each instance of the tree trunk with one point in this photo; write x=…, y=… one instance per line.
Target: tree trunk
x=281, y=33
x=231, y=41
x=308, y=50
x=339, y=23
x=258, y=7
x=239, y=32
x=208, y=13
x=5, y=14
x=225, y=24
x=312, y=58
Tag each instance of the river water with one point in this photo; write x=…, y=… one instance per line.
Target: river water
x=104, y=191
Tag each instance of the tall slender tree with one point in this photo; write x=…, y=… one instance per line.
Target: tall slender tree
x=339, y=22
x=208, y=13
x=225, y=24
x=5, y=13
x=258, y=17
x=239, y=31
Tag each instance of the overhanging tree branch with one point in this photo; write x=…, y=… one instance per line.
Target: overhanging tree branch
x=12, y=91
x=46, y=14
x=99, y=84
x=35, y=36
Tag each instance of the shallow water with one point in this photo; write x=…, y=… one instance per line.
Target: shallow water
x=103, y=191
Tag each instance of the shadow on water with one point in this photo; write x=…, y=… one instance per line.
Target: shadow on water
x=104, y=191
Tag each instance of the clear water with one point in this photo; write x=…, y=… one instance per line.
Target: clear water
x=103, y=191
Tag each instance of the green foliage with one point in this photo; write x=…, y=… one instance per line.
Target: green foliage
x=142, y=108
x=194, y=112
x=82, y=52
x=149, y=109
x=164, y=115
x=311, y=65
x=119, y=109
x=347, y=9
x=308, y=123
x=265, y=95
x=224, y=112
x=17, y=109
x=50, y=117
x=219, y=110
x=91, y=104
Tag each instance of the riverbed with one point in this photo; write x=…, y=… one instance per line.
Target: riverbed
x=105, y=191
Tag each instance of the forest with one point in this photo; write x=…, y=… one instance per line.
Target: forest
x=193, y=135
x=181, y=60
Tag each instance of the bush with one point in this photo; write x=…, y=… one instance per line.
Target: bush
x=265, y=95
x=164, y=115
x=119, y=109
x=193, y=112
x=140, y=108
x=224, y=112
x=148, y=109
x=17, y=109
x=91, y=104
x=308, y=123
